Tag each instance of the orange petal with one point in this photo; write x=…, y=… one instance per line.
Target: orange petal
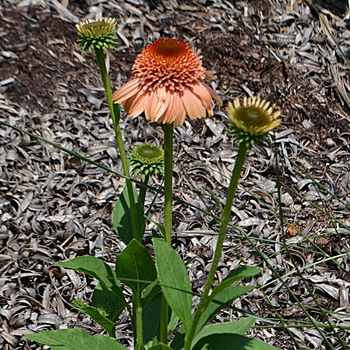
x=213, y=95
x=179, y=111
x=126, y=91
x=135, y=105
x=162, y=93
x=166, y=118
x=202, y=92
x=175, y=110
x=154, y=107
x=193, y=105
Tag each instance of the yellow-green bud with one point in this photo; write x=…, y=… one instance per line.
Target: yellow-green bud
x=252, y=121
x=147, y=159
x=97, y=34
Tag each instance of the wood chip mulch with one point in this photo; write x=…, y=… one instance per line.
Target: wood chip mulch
x=55, y=207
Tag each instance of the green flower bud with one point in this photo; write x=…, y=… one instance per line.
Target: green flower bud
x=147, y=159
x=97, y=34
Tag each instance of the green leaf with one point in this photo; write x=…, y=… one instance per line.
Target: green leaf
x=234, y=276
x=96, y=315
x=161, y=228
x=237, y=327
x=135, y=267
x=178, y=342
x=173, y=322
x=151, y=291
x=224, y=297
x=94, y=267
x=121, y=216
x=75, y=339
x=151, y=316
x=230, y=342
x=155, y=234
x=101, y=271
x=104, y=299
x=160, y=346
x=174, y=280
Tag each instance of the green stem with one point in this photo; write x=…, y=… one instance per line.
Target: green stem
x=168, y=179
x=218, y=250
x=143, y=189
x=138, y=321
x=164, y=321
x=168, y=215
x=115, y=114
x=142, y=198
x=107, y=85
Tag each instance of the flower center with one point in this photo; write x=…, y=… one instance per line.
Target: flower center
x=170, y=48
x=148, y=153
x=252, y=116
x=168, y=63
x=101, y=29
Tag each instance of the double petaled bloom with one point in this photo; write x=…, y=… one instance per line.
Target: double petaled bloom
x=167, y=84
x=252, y=121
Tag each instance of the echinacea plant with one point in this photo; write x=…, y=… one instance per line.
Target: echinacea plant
x=167, y=84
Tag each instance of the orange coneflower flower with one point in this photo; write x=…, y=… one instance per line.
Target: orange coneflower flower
x=167, y=84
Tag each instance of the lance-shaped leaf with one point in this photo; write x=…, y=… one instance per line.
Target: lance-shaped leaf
x=96, y=268
x=231, y=341
x=135, y=267
x=174, y=280
x=75, y=339
x=121, y=216
x=97, y=315
x=237, y=327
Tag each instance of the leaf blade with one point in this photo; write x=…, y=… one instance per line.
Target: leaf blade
x=121, y=215
x=135, y=267
x=96, y=315
x=174, y=280
x=235, y=276
x=104, y=299
x=224, y=297
x=96, y=268
x=225, y=341
x=75, y=339
x=237, y=327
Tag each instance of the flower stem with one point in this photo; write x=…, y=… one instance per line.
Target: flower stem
x=143, y=189
x=168, y=179
x=138, y=319
x=168, y=194
x=164, y=321
x=106, y=83
x=115, y=114
x=218, y=250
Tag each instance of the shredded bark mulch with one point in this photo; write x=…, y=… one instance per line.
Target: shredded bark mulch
x=54, y=207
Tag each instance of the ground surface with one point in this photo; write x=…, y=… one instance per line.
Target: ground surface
x=53, y=206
